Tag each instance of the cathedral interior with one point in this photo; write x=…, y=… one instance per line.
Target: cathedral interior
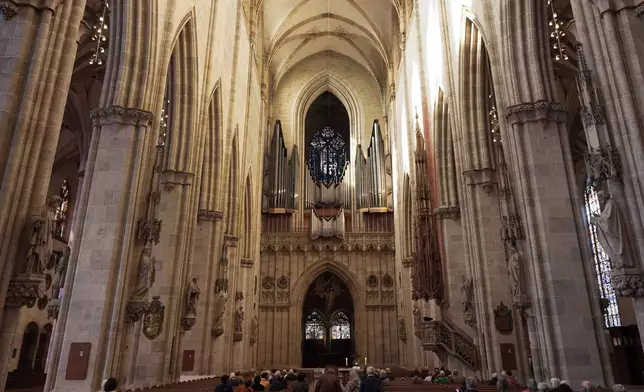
x=196, y=187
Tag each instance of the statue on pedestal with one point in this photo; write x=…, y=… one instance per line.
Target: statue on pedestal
x=612, y=232
x=41, y=233
x=146, y=275
x=514, y=272
x=192, y=298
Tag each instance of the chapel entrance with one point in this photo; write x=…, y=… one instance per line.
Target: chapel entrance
x=328, y=323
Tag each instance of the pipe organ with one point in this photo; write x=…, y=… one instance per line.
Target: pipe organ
x=329, y=193
x=373, y=183
x=280, y=176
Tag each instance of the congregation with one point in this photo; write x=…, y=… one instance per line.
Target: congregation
x=371, y=379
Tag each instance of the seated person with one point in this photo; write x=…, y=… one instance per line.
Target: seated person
x=442, y=378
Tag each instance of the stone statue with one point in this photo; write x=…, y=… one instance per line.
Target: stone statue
x=254, y=335
x=239, y=320
x=402, y=331
x=146, y=275
x=611, y=231
x=41, y=232
x=220, y=307
x=60, y=272
x=192, y=298
x=417, y=317
x=514, y=272
x=467, y=294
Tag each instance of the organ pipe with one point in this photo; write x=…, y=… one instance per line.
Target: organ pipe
x=280, y=176
x=371, y=176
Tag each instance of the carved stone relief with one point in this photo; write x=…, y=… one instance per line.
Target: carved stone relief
x=149, y=230
x=402, y=331
x=153, y=319
x=239, y=325
x=8, y=9
x=628, y=283
x=254, y=336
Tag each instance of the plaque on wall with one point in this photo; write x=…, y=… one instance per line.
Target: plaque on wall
x=508, y=356
x=78, y=361
x=188, y=363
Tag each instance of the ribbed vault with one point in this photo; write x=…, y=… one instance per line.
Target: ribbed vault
x=363, y=30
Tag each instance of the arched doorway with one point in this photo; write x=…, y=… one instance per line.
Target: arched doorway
x=28, y=347
x=328, y=323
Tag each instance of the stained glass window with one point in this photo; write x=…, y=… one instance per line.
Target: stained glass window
x=340, y=326
x=314, y=326
x=327, y=157
x=601, y=262
x=61, y=211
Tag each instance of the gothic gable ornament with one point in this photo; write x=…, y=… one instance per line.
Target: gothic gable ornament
x=153, y=319
x=503, y=319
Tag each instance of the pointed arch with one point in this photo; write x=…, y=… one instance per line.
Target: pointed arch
x=408, y=218
x=233, y=187
x=298, y=295
x=475, y=89
x=211, y=176
x=181, y=92
x=247, y=216
x=445, y=153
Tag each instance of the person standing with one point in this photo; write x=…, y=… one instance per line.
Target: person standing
x=328, y=382
x=371, y=383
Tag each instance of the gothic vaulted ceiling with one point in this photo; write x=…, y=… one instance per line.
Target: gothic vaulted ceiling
x=363, y=30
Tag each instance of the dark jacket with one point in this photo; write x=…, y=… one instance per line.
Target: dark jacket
x=493, y=381
x=328, y=383
x=277, y=386
x=372, y=384
x=233, y=382
x=300, y=386
x=224, y=388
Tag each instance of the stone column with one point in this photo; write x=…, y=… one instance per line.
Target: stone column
x=223, y=334
x=37, y=63
x=558, y=285
x=611, y=66
x=99, y=271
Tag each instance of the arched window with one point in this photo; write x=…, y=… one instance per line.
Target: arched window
x=327, y=157
x=314, y=326
x=601, y=262
x=340, y=326
x=61, y=211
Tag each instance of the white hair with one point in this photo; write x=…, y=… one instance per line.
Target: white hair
x=619, y=388
x=277, y=373
x=290, y=371
x=383, y=373
x=232, y=375
x=555, y=382
x=371, y=370
x=470, y=383
x=441, y=373
x=586, y=385
x=494, y=375
x=542, y=386
x=503, y=374
x=564, y=382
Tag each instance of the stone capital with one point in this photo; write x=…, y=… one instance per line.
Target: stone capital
x=10, y=8
x=541, y=110
x=210, y=215
x=448, y=212
x=628, y=282
x=246, y=263
x=120, y=115
x=231, y=240
x=170, y=178
x=616, y=5
x=24, y=290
